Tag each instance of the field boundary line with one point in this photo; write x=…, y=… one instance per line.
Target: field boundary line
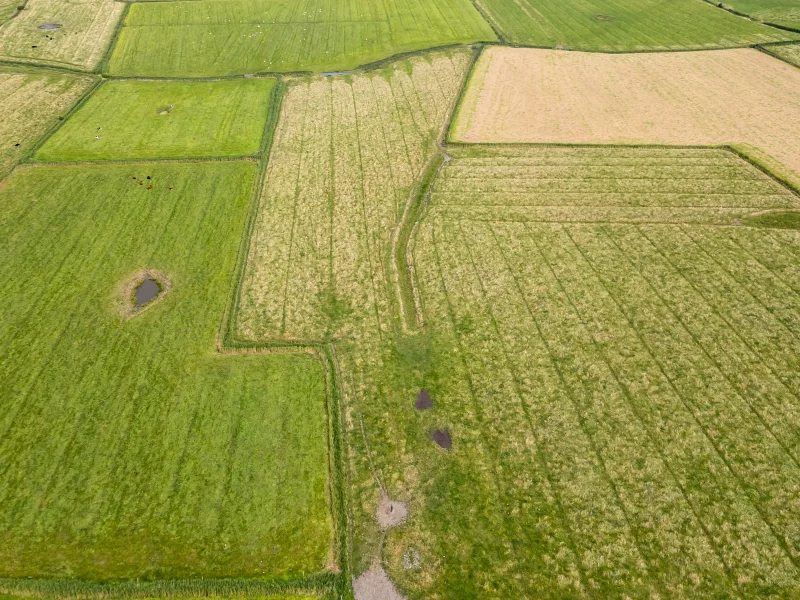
x=181, y=588
x=765, y=50
x=138, y=161
x=94, y=85
x=402, y=240
x=490, y=21
x=454, y=114
x=112, y=43
x=228, y=344
x=16, y=61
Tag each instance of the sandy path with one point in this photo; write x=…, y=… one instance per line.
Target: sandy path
x=712, y=97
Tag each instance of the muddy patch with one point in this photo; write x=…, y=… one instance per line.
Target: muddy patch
x=442, y=438
x=141, y=291
x=424, y=401
x=390, y=513
x=50, y=26
x=375, y=585
x=603, y=18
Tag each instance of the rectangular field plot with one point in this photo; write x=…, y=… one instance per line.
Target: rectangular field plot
x=30, y=104
x=627, y=392
x=131, y=448
x=780, y=12
x=625, y=25
x=221, y=37
x=789, y=52
x=158, y=119
x=622, y=400
x=579, y=184
x=722, y=97
x=346, y=155
x=85, y=33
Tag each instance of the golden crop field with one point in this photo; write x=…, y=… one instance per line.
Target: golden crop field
x=346, y=155
x=83, y=38
x=720, y=97
x=30, y=103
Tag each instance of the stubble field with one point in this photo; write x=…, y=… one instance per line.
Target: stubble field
x=702, y=98
x=32, y=102
x=222, y=37
x=165, y=119
x=133, y=449
x=85, y=34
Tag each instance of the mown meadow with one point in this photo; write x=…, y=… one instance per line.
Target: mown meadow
x=780, y=12
x=133, y=448
x=156, y=119
x=625, y=25
x=224, y=37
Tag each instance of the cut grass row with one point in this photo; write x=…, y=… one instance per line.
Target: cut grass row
x=222, y=37
x=625, y=25
x=134, y=449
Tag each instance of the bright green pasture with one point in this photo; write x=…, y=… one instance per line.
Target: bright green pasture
x=132, y=448
x=625, y=25
x=221, y=37
x=157, y=119
x=780, y=12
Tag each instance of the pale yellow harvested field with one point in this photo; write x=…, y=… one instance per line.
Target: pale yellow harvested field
x=715, y=97
x=346, y=155
x=30, y=103
x=87, y=28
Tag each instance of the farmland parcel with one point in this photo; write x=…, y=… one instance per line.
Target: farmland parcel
x=222, y=37
x=603, y=443
x=85, y=33
x=724, y=97
x=780, y=12
x=31, y=102
x=165, y=119
x=624, y=25
x=132, y=449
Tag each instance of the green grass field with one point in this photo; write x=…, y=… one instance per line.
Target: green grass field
x=132, y=448
x=222, y=37
x=780, y=12
x=625, y=25
x=32, y=102
x=8, y=8
x=81, y=42
x=788, y=52
x=157, y=119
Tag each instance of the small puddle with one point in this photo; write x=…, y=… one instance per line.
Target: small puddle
x=50, y=26
x=442, y=438
x=603, y=18
x=146, y=291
